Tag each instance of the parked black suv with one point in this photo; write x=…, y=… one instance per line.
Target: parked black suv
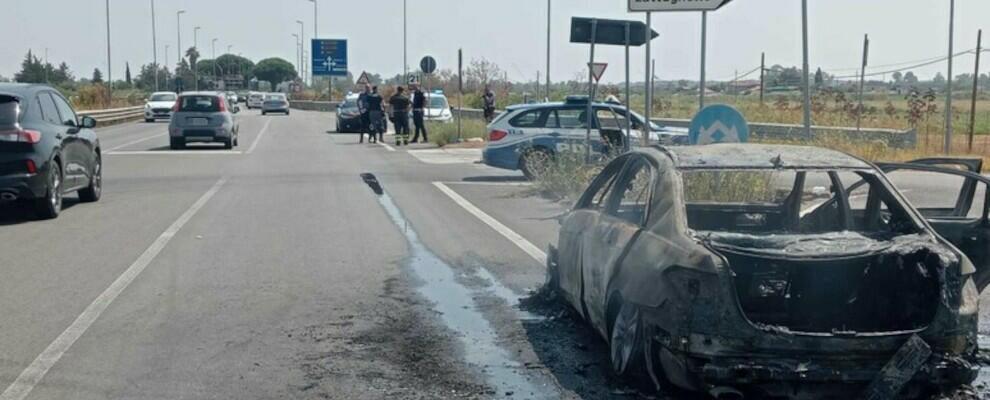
x=46, y=150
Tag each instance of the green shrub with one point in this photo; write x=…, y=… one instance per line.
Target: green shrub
x=443, y=134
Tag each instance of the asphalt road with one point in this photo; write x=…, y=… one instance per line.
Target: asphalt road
x=275, y=271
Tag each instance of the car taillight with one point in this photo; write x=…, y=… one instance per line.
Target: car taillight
x=21, y=136
x=31, y=167
x=222, y=107
x=497, y=135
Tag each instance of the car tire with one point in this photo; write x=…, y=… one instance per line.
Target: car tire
x=228, y=144
x=50, y=206
x=264, y=113
x=534, y=163
x=176, y=144
x=626, y=340
x=94, y=191
x=286, y=113
x=237, y=140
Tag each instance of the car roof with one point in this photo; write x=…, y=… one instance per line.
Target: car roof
x=203, y=93
x=559, y=104
x=760, y=156
x=22, y=89
x=163, y=93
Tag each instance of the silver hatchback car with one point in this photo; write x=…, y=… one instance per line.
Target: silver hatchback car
x=203, y=117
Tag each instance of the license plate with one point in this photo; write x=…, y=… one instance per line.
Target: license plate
x=199, y=121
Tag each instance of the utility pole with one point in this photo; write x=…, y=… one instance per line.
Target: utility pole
x=704, y=51
x=178, y=33
x=948, y=90
x=316, y=21
x=763, y=75
x=405, y=62
x=154, y=44
x=195, y=68
x=649, y=76
x=807, y=69
x=862, y=82
x=976, y=85
x=548, y=53
x=298, y=55
x=109, y=62
x=166, y=66
x=653, y=79
x=213, y=48
x=302, y=41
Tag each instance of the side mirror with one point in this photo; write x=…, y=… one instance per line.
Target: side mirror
x=87, y=122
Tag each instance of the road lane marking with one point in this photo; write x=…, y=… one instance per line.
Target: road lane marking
x=489, y=183
x=516, y=239
x=33, y=374
x=138, y=141
x=387, y=147
x=174, y=152
x=260, y=135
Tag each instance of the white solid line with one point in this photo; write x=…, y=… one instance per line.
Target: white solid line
x=138, y=141
x=173, y=152
x=515, y=238
x=387, y=147
x=260, y=135
x=33, y=374
x=489, y=183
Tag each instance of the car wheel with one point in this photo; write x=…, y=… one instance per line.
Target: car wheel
x=228, y=144
x=264, y=113
x=51, y=205
x=176, y=144
x=237, y=140
x=94, y=191
x=535, y=163
x=626, y=341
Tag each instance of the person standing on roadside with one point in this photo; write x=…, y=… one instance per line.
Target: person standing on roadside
x=376, y=115
x=362, y=103
x=400, y=115
x=419, y=105
x=489, y=100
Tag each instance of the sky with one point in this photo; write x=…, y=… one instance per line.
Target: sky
x=511, y=33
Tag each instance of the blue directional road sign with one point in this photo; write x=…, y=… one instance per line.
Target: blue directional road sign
x=718, y=123
x=329, y=57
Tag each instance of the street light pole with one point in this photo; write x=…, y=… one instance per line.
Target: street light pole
x=298, y=55
x=807, y=67
x=166, y=66
x=178, y=33
x=548, y=53
x=405, y=62
x=704, y=53
x=302, y=40
x=109, y=62
x=195, y=68
x=646, y=82
x=316, y=21
x=948, y=90
x=154, y=44
x=213, y=49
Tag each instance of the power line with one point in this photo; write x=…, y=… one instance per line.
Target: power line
x=915, y=66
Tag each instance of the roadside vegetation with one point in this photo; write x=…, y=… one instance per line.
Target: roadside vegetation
x=443, y=134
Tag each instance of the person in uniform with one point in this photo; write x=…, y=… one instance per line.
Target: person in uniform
x=376, y=115
x=400, y=116
x=362, y=103
x=419, y=106
x=489, y=99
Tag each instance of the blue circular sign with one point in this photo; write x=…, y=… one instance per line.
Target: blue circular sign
x=718, y=123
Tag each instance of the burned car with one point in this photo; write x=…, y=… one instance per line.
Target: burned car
x=779, y=271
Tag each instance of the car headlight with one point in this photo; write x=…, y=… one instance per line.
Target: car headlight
x=147, y=106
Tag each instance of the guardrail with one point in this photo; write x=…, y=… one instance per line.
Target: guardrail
x=892, y=137
x=114, y=115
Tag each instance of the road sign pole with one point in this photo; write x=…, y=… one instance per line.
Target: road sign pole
x=625, y=143
x=591, y=94
x=649, y=77
x=704, y=53
x=460, y=91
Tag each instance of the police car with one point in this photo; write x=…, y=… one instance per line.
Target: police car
x=526, y=136
x=437, y=107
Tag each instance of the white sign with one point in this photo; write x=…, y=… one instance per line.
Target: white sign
x=676, y=5
x=363, y=80
x=413, y=80
x=597, y=70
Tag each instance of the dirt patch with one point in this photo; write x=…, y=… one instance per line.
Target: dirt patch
x=396, y=349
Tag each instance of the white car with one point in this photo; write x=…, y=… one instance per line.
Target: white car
x=159, y=106
x=437, y=108
x=255, y=100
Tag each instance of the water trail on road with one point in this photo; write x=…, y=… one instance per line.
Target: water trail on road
x=457, y=308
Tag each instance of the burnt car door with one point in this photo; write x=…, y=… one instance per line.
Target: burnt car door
x=952, y=196
x=621, y=219
x=582, y=218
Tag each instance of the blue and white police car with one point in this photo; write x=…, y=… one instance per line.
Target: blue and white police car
x=526, y=136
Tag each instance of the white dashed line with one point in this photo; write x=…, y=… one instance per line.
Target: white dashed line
x=174, y=152
x=33, y=374
x=260, y=135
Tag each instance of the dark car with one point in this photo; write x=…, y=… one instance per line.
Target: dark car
x=46, y=150
x=203, y=117
x=349, y=116
x=770, y=270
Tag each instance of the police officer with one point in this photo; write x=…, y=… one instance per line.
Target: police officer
x=376, y=115
x=400, y=115
x=418, y=105
x=489, y=99
x=365, y=117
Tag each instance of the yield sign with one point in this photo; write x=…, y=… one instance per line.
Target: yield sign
x=597, y=70
x=363, y=80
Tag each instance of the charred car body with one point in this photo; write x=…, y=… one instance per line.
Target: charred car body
x=777, y=270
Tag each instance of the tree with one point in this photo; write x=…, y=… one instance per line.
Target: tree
x=898, y=77
x=910, y=78
x=4, y=79
x=62, y=75
x=274, y=71
x=819, y=78
x=32, y=70
x=127, y=74
x=97, y=76
x=939, y=79
x=481, y=73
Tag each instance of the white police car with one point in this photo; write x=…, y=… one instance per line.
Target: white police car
x=526, y=136
x=437, y=107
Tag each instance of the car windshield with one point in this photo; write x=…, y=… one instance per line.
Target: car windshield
x=349, y=104
x=199, y=103
x=162, y=97
x=274, y=97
